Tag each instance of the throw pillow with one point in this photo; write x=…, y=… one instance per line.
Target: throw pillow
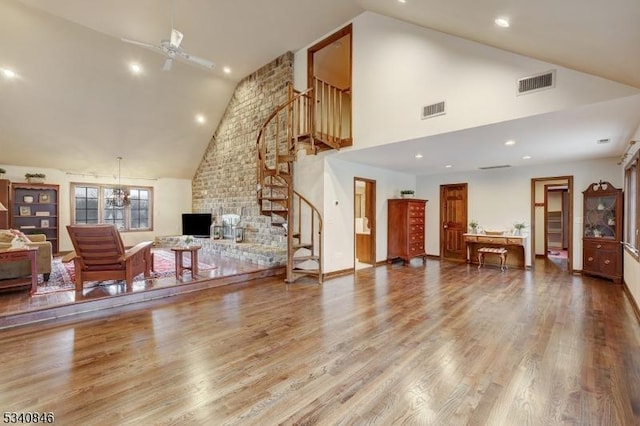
x=6, y=236
x=20, y=235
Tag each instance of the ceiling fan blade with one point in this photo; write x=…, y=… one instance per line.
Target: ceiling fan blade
x=142, y=44
x=176, y=37
x=167, y=64
x=202, y=62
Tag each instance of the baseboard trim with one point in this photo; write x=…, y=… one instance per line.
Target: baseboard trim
x=339, y=273
x=634, y=305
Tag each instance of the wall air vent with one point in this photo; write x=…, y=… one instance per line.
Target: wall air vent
x=433, y=110
x=603, y=141
x=503, y=166
x=537, y=82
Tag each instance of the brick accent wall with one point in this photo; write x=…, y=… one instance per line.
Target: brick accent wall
x=226, y=177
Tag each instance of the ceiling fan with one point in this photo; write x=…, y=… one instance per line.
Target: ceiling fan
x=172, y=50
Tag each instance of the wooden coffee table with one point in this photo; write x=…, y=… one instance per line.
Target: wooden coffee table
x=18, y=254
x=180, y=268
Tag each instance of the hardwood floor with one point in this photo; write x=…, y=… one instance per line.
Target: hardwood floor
x=445, y=344
x=18, y=307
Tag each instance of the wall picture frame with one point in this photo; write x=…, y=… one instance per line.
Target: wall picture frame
x=44, y=223
x=25, y=211
x=44, y=198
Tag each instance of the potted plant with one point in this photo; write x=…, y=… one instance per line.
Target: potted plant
x=474, y=226
x=519, y=226
x=35, y=177
x=2, y=172
x=407, y=193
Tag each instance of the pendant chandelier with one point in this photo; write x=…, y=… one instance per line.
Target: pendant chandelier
x=119, y=196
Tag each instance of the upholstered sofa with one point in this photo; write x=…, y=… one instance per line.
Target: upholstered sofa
x=23, y=268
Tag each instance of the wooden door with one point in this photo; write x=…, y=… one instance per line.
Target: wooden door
x=453, y=221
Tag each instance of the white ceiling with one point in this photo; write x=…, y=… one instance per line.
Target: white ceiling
x=76, y=107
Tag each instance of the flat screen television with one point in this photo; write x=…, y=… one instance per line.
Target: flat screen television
x=196, y=224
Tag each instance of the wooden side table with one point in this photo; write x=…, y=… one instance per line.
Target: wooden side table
x=179, y=252
x=18, y=254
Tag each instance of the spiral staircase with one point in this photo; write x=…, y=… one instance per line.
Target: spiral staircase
x=314, y=120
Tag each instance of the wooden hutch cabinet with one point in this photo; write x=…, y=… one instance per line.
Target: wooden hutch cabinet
x=4, y=199
x=405, y=229
x=34, y=210
x=602, y=231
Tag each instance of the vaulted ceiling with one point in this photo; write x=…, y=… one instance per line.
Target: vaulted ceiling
x=75, y=105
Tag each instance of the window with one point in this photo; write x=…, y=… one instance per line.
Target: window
x=632, y=203
x=89, y=206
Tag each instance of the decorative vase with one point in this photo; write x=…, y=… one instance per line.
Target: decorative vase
x=35, y=180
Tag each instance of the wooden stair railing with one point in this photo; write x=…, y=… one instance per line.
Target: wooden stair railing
x=304, y=240
x=330, y=114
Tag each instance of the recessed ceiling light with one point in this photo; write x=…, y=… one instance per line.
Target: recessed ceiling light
x=402, y=1
x=510, y=143
x=200, y=119
x=135, y=68
x=8, y=73
x=502, y=22
x=526, y=157
x=226, y=70
x=418, y=155
x=448, y=166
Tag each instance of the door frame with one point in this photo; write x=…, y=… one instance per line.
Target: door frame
x=347, y=30
x=551, y=180
x=370, y=205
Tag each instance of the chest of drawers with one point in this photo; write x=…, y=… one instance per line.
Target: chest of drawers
x=405, y=229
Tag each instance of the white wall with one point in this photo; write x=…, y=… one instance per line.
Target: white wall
x=408, y=67
x=499, y=198
x=339, y=209
x=172, y=197
x=399, y=67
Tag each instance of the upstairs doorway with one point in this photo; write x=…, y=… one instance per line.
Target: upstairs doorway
x=329, y=74
x=364, y=222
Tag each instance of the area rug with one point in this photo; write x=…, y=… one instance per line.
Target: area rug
x=63, y=274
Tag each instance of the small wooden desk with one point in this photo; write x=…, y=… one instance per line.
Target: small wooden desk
x=180, y=268
x=18, y=254
x=516, y=246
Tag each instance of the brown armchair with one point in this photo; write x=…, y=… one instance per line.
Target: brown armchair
x=100, y=255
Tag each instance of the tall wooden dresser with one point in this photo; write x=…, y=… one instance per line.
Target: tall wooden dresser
x=405, y=229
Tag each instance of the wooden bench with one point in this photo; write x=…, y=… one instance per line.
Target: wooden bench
x=500, y=251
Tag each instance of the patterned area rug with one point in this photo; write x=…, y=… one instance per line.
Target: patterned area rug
x=63, y=274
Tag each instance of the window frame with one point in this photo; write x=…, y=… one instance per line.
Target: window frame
x=100, y=187
x=632, y=199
